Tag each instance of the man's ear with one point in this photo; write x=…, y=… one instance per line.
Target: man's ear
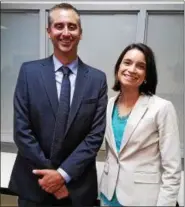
x=81, y=35
x=48, y=31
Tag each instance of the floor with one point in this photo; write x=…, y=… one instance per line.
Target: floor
x=7, y=200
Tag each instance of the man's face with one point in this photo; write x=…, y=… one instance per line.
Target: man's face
x=65, y=31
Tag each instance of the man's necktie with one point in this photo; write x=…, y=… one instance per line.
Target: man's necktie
x=62, y=117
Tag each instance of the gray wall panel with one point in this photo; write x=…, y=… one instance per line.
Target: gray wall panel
x=165, y=36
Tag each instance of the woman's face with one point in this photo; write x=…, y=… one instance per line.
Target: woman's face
x=132, y=70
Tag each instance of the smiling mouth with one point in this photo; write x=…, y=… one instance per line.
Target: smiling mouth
x=129, y=77
x=65, y=42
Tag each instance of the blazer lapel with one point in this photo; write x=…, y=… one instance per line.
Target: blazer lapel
x=78, y=93
x=48, y=76
x=109, y=130
x=136, y=115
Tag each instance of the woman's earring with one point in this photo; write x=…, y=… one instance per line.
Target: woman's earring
x=144, y=81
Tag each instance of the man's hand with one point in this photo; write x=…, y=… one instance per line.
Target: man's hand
x=62, y=192
x=51, y=181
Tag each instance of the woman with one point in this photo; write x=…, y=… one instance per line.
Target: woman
x=143, y=162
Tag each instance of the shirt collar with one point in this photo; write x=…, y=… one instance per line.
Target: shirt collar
x=73, y=65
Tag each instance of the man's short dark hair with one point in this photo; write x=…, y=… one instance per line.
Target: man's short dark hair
x=149, y=87
x=65, y=6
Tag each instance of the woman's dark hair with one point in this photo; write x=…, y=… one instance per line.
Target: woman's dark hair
x=148, y=87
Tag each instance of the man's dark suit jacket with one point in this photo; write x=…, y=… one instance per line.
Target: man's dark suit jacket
x=35, y=108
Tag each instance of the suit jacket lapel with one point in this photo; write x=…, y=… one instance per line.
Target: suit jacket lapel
x=78, y=93
x=109, y=130
x=48, y=76
x=136, y=115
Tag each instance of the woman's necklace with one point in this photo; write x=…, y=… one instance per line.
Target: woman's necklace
x=123, y=111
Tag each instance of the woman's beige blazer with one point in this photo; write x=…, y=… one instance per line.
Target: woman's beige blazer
x=147, y=170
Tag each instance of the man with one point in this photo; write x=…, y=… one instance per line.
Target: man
x=59, y=121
